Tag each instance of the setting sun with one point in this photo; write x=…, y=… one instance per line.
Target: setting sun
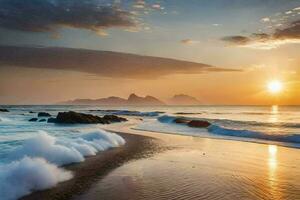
x=275, y=86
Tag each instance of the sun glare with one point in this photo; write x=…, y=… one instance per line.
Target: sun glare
x=275, y=86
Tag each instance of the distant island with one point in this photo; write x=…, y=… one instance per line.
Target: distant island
x=134, y=99
x=182, y=99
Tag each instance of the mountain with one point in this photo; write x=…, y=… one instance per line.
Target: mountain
x=182, y=99
x=133, y=99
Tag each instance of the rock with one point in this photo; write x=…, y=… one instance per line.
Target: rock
x=33, y=119
x=187, y=113
x=31, y=112
x=3, y=110
x=199, y=124
x=72, y=117
x=42, y=120
x=181, y=121
x=114, y=118
x=43, y=114
x=51, y=120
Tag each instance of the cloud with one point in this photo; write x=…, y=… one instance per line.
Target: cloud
x=237, y=39
x=102, y=63
x=50, y=15
x=292, y=32
x=289, y=34
x=189, y=41
x=265, y=19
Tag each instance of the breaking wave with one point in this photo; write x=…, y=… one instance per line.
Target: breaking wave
x=21, y=177
x=290, y=138
x=234, y=128
x=35, y=164
x=170, y=119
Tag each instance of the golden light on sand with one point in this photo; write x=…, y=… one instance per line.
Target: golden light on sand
x=272, y=162
x=275, y=86
x=272, y=150
x=272, y=157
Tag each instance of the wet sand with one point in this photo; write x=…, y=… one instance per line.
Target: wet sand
x=163, y=166
x=95, y=167
x=203, y=168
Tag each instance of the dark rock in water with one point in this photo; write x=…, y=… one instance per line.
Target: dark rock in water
x=114, y=118
x=43, y=114
x=73, y=118
x=181, y=121
x=3, y=110
x=42, y=120
x=31, y=112
x=51, y=120
x=187, y=113
x=33, y=119
x=81, y=118
x=199, y=124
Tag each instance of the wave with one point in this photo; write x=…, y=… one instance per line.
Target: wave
x=133, y=113
x=62, y=152
x=226, y=128
x=4, y=119
x=36, y=163
x=229, y=122
x=166, y=119
x=290, y=138
x=21, y=177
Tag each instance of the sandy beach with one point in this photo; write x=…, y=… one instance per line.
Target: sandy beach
x=163, y=166
x=95, y=167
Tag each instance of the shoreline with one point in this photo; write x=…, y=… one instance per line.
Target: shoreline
x=96, y=167
x=262, y=142
x=242, y=165
x=202, y=168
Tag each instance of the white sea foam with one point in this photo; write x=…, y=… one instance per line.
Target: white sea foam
x=21, y=177
x=45, y=146
x=62, y=152
x=4, y=119
x=35, y=165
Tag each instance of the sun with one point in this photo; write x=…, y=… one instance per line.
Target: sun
x=275, y=86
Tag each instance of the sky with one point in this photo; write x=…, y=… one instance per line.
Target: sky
x=56, y=50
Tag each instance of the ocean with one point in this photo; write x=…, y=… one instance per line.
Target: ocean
x=27, y=147
x=264, y=124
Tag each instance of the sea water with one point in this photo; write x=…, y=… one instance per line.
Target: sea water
x=28, y=148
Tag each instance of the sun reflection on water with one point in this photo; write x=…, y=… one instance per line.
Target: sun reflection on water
x=274, y=114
